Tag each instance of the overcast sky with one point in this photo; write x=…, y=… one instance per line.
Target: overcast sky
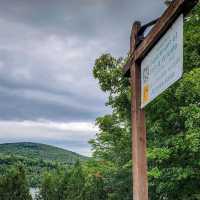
x=47, y=51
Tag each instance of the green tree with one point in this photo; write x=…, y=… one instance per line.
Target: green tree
x=113, y=141
x=52, y=186
x=172, y=120
x=14, y=186
x=63, y=184
x=75, y=183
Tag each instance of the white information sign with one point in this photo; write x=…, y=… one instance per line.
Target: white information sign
x=164, y=64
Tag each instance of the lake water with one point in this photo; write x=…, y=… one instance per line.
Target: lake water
x=34, y=192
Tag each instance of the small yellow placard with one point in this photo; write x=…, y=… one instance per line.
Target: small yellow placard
x=146, y=93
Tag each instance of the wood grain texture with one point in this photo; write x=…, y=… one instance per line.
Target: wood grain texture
x=140, y=182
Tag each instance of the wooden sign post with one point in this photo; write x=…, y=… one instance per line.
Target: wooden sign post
x=138, y=127
x=139, y=48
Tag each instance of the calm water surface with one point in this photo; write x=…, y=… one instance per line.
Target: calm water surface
x=34, y=192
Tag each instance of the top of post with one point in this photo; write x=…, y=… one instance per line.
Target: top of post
x=134, y=32
x=133, y=41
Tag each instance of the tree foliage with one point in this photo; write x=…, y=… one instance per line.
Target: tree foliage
x=14, y=185
x=36, y=159
x=77, y=183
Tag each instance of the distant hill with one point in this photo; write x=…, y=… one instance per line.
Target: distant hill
x=40, y=151
x=36, y=159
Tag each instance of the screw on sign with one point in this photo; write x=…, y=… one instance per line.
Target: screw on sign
x=150, y=66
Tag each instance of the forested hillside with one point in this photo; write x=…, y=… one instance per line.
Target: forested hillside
x=40, y=151
x=36, y=159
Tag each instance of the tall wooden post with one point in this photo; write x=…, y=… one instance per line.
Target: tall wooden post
x=140, y=182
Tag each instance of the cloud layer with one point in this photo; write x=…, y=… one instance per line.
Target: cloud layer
x=72, y=136
x=48, y=48
x=47, y=51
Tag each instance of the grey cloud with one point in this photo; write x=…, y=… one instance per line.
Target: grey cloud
x=31, y=106
x=81, y=17
x=48, y=48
